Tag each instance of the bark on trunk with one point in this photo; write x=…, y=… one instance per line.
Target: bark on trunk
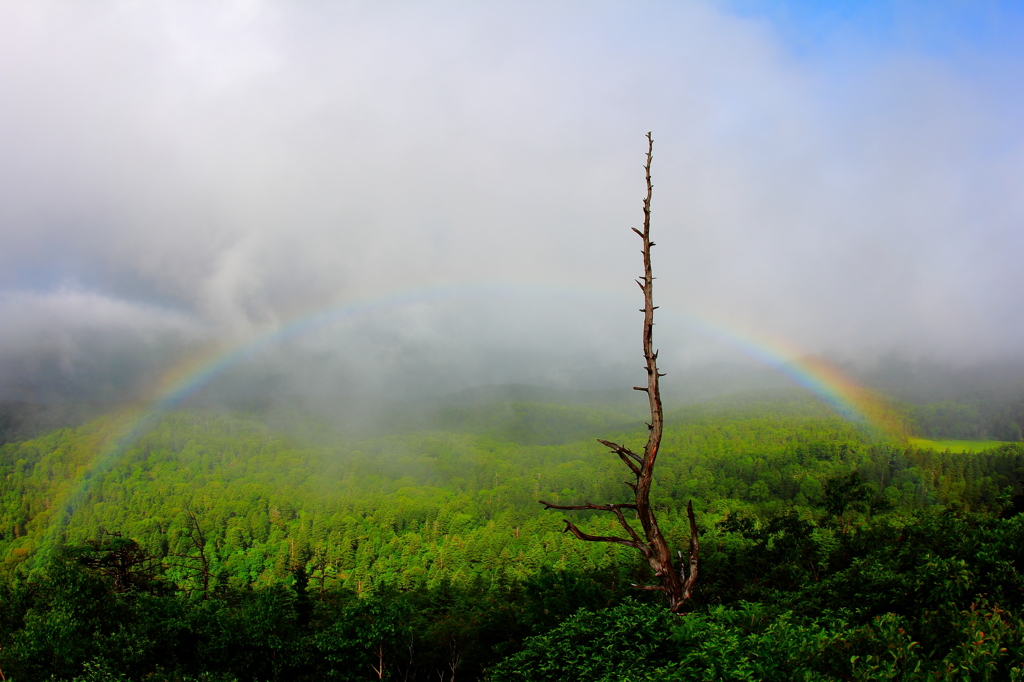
x=676, y=582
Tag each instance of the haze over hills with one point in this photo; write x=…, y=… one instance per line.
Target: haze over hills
x=979, y=402
x=305, y=307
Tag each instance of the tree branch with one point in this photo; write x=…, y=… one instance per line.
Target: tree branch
x=632, y=460
x=588, y=505
x=649, y=588
x=629, y=528
x=621, y=450
x=572, y=528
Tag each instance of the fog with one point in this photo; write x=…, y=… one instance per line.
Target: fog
x=454, y=182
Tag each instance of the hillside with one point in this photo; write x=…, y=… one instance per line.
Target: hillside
x=270, y=500
x=438, y=520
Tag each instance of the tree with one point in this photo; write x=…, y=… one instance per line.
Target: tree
x=123, y=561
x=676, y=582
x=196, y=554
x=845, y=493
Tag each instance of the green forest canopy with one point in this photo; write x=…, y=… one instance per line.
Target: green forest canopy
x=441, y=503
x=220, y=503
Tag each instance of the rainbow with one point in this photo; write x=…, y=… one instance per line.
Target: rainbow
x=827, y=382
x=849, y=399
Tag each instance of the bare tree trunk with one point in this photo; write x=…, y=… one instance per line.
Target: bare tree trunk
x=198, y=541
x=379, y=668
x=676, y=583
x=320, y=563
x=455, y=653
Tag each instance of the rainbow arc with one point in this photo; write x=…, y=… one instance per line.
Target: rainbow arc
x=821, y=378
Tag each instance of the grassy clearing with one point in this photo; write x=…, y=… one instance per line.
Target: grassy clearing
x=956, y=445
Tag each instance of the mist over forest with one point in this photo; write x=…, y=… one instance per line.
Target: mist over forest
x=320, y=357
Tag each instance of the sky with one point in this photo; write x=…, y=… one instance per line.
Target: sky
x=445, y=188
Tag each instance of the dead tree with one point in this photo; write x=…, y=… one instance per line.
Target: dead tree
x=123, y=561
x=676, y=581
x=199, y=564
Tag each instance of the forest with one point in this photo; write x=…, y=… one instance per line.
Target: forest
x=320, y=354
x=230, y=545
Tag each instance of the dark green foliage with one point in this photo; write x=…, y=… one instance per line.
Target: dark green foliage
x=72, y=615
x=843, y=494
x=216, y=549
x=72, y=623
x=937, y=597
x=620, y=643
x=122, y=560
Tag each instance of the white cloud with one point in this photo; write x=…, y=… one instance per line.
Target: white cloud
x=247, y=163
